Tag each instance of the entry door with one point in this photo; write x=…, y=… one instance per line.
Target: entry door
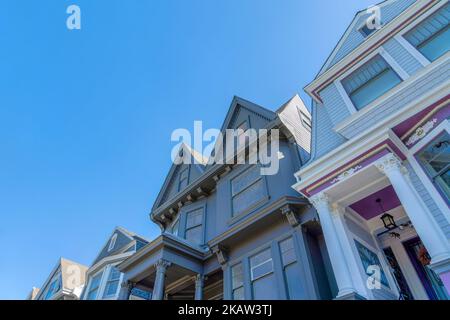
x=420, y=259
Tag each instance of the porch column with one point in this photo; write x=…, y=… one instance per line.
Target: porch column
x=158, y=288
x=424, y=223
x=125, y=290
x=337, y=253
x=199, y=283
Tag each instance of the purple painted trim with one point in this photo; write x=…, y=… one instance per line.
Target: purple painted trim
x=368, y=208
x=418, y=267
x=440, y=116
x=327, y=179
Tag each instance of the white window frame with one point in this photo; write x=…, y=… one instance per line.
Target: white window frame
x=202, y=225
x=389, y=60
x=243, y=278
x=112, y=242
x=423, y=176
x=99, y=290
x=407, y=45
x=57, y=277
x=106, y=280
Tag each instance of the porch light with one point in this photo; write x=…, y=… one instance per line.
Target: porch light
x=388, y=220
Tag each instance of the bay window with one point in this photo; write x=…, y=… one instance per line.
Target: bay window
x=237, y=282
x=262, y=276
x=194, y=226
x=112, y=283
x=291, y=270
x=435, y=160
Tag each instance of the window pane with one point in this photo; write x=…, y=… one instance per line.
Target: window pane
x=194, y=218
x=245, y=179
x=265, y=288
x=370, y=81
x=194, y=235
x=287, y=251
x=261, y=264
x=249, y=198
x=93, y=288
x=111, y=288
x=115, y=274
x=237, y=275
x=432, y=36
x=375, y=88
x=92, y=294
x=293, y=282
x=435, y=159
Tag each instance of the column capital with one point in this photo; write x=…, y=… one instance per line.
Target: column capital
x=320, y=199
x=127, y=284
x=389, y=163
x=162, y=265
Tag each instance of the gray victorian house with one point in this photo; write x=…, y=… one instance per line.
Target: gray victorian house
x=229, y=232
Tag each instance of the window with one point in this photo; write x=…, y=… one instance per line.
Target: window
x=183, y=179
x=306, y=120
x=53, y=288
x=194, y=229
x=247, y=190
x=432, y=36
x=94, y=286
x=291, y=270
x=263, y=280
x=112, y=242
x=370, y=81
x=112, y=284
x=237, y=275
x=435, y=159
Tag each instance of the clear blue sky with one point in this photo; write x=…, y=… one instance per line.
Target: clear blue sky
x=86, y=116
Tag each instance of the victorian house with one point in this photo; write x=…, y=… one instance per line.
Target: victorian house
x=103, y=278
x=229, y=232
x=379, y=170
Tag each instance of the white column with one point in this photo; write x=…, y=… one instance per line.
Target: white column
x=427, y=228
x=125, y=290
x=199, y=283
x=158, y=288
x=336, y=252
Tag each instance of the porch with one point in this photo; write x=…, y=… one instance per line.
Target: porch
x=404, y=255
x=169, y=269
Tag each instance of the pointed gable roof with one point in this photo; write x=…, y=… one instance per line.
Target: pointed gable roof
x=195, y=170
x=123, y=238
x=237, y=104
x=352, y=37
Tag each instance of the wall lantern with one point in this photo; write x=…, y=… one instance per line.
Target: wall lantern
x=388, y=220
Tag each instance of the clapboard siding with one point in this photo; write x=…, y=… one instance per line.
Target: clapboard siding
x=430, y=203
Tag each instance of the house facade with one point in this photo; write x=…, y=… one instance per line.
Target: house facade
x=229, y=232
x=65, y=282
x=103, y=278
x=379, y=169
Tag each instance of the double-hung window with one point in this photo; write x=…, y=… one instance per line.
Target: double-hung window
x=262, y=276
x=94, y=286
x=291, y=270
x=237, y=275
x=432, y=36
x=370, y=81
x=112, y=284
x=247, y=190
x=194, y=227
x=54, y=287
x=435, y=159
